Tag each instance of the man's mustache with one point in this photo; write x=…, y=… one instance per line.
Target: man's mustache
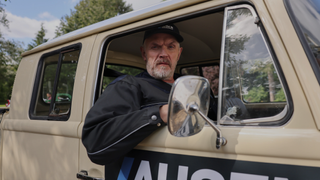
x=160, y=61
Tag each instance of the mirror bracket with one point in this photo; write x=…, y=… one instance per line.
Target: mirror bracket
x=220, y=141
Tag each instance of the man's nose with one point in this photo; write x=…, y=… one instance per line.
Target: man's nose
x=163, y=52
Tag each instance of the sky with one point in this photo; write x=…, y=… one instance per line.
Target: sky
x=25, y=16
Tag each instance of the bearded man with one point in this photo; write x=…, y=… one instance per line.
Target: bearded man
x=131, y=108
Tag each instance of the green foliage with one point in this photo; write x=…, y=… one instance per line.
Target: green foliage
x=257, y=94
x=122, y=69
x=262, y=77
x=7, y=60
x=66, y=75
x=49, y=76
x=10, y=56
x=39, y=38
x=234, y=45
x=88, y=12
x=280, y=96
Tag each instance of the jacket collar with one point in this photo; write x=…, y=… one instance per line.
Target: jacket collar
x=163, y=86
x=145, y=74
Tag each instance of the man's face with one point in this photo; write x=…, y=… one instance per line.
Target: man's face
x=161, y=52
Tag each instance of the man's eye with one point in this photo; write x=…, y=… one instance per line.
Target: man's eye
x=171, y=47
x=154, y=47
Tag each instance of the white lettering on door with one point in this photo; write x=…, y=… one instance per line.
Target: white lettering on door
x=206, y=174
x=162, y=173
x=183, y=172
x=144, y=172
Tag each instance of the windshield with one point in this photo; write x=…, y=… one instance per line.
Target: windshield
x=305, y=15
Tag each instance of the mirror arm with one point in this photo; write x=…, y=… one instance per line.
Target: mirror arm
x=221, y=141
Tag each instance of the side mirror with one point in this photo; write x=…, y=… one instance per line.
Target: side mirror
x=188, y=107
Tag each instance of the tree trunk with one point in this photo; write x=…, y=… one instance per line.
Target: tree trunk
x=271, y=85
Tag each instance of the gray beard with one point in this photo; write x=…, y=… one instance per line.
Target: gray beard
x=161, y=73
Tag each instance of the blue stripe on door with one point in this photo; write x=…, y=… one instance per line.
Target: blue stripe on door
x=125, y=168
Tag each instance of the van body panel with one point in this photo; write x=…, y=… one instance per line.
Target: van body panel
x=299, y=59
x=22, y=87
x=24, y=157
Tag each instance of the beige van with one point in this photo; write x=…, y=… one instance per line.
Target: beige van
x=258, y=60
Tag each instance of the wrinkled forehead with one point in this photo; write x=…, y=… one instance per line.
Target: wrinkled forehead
x=161, y=38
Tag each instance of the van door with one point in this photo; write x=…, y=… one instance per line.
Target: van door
x=262, y=111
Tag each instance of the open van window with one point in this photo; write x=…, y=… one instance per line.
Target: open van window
x=202, y=42
x=250, y=83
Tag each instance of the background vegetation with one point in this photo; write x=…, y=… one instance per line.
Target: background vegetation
x=86, y=12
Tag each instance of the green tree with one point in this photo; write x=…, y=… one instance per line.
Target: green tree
x=10, y=56
x=88, y=12
x=262, y=73
x=39, y=38
x=257, y=94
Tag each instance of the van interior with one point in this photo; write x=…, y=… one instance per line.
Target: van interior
x=203, y=35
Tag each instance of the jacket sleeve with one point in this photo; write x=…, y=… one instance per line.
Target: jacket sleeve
x=116, y=123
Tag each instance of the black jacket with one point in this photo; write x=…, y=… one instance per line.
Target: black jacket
x=125, y=114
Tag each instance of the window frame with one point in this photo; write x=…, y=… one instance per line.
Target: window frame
x=313, y=62
x=284, y=116
x=39, y=81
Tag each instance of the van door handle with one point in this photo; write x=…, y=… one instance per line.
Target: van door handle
x=84, y=176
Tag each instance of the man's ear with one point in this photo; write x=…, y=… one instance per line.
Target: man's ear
x=143, y=53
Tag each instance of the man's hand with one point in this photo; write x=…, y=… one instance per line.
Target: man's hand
x=164, y=113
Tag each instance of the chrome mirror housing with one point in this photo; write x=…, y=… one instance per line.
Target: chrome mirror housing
x=188, y=107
